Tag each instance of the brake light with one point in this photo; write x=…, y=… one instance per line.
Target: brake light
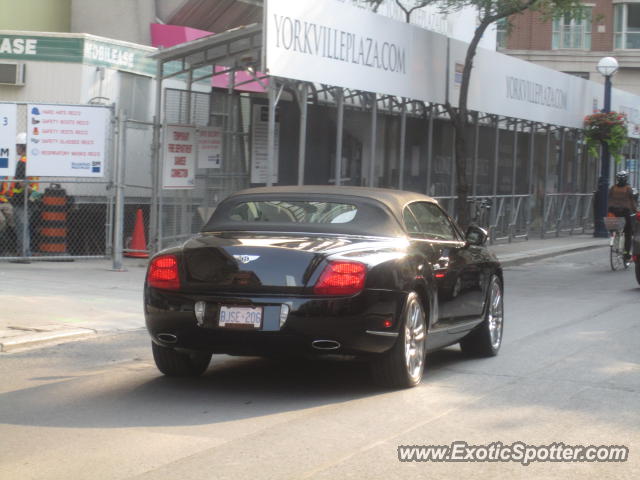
x=163, y=273
x=341, y=278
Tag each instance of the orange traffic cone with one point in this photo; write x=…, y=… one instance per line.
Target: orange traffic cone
x=138, y=241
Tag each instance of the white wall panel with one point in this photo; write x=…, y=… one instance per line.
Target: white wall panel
x=50, y=82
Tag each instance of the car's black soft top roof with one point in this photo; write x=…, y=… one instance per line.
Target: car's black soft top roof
x=395, y=200
x=381, y=212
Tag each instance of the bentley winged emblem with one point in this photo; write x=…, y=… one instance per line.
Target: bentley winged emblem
x=246, y=258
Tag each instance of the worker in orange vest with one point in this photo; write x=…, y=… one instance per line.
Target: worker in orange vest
x=19, y=193
x=6, y=209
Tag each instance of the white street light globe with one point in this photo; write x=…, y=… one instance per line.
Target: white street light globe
x=607, y=66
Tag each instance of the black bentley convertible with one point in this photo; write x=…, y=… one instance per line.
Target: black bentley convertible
x=375, y=273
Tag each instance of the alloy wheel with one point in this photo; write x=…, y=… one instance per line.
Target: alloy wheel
x=414, y=340
x=495, y=315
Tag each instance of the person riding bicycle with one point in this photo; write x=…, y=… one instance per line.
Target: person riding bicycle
x=622, y=203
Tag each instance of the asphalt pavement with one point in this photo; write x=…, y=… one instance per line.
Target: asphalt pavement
x=47, y=302
x=568, y=374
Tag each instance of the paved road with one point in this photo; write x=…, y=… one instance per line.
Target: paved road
x=569, y=372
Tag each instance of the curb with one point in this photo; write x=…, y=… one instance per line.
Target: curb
x=23, y=342
x=527, y=258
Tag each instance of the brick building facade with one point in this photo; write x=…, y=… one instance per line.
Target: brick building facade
x=610, y=28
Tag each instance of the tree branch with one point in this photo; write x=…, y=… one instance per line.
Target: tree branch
x=409, y=11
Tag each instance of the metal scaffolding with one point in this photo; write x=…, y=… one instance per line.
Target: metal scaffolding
x=513, y=212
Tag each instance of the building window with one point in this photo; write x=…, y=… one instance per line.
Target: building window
x=571, y=32
x=502, y=31
x=135, y=96
x=626, y=25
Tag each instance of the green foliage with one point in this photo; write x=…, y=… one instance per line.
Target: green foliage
x=610, y=128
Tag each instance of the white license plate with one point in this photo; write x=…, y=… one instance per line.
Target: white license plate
x=240, y=317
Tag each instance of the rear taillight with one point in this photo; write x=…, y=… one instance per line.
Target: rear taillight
x=163, y=273
x=341, y=278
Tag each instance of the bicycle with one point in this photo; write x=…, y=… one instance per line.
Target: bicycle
x=615, y=225
x=480, y=209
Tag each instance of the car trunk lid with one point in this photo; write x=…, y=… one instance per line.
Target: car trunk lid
x=255, y=263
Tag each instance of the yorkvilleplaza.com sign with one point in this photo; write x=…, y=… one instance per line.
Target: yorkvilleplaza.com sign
x=341, y=45
x=323, y=41
x=536, y=93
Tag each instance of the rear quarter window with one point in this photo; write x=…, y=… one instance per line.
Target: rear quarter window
x=308, y=212
x=312, y=213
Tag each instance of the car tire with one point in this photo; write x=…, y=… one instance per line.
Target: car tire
x=486, y=339
x=178, y=364
x=403, y=365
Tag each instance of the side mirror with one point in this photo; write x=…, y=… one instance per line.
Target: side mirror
x=476, y=235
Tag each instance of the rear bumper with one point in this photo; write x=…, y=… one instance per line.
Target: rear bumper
x=355, y=323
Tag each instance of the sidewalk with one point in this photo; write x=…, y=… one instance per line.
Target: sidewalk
x=50, y=302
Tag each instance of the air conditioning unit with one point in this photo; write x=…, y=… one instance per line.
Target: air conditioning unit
x=11, y=73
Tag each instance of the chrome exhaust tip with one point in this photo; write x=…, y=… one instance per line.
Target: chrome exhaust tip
x=325, y=344
x=167, y=337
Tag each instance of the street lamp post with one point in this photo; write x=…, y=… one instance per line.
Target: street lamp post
x=607, y=66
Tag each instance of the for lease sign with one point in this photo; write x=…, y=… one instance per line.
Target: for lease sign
x=18, y=46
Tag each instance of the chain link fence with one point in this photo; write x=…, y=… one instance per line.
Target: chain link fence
x=184, y=212
x=137, y=185
x=59, y=217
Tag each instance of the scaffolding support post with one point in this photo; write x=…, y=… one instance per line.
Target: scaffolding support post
x=561, y=161
x=476, y=148
x=452, y=179
x=339, y=95
x=156, y=170
x=512, y=226
x=185, y=219
x=374, y=138
x=302, y=94
x=119, y=196
x=429, y=148
x=271, y=131
x=496, y=164
x=547, y=153
x=532, y=139
x=403, y=135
